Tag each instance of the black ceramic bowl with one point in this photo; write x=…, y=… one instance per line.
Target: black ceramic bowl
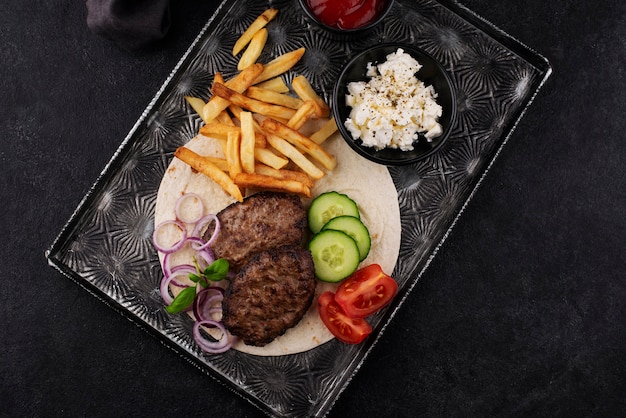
x=431, y=73
x=379, y=17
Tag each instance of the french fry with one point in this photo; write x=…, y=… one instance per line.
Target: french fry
x=254, y=49
x=220, y=163
x=225, y=118
x=209, y=169
x=324, y=132
x=302, y=142
x=252, y=105
x=275, y=84
x=267, y=157
x=254, y=27
x=302, y=115
x=284, y=174
x=232, y=153
x=245, y=78
x=239, y=83
x=247, y=142
x=196, y=104
x=218, y=78
x=305, y=91
x=280, y=65
x=259, y=181
x=270, y=96
x=294, y=155
x=217, y=128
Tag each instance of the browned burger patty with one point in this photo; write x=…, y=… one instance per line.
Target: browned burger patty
x=270, y=294
x=262, y=221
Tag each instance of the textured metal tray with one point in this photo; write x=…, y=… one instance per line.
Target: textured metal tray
x=106, y=245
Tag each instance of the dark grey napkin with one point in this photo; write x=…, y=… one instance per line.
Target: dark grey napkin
x=132, y=24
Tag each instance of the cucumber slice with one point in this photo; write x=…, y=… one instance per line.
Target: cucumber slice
x=335, y=255
x=356, y=229
x=327, y=206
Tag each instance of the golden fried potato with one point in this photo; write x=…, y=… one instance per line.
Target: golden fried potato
x=252, y=53
x=252, y=105
x=239, y=83
x=302, y=115
x=303, y=143
x=259, y=23
x=305, y=91
x=209, y=169
x=270, y=96
x=280, y=65
x=247, y=142
x=263, y=182
x=275, y=84
x=324, y=132
x=294, y=155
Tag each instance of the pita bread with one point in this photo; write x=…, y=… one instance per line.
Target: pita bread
x=368, y=184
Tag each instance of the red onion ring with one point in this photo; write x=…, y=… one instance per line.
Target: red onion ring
x=206, y=301
x=178, y=208
x=201, y=224
x=203, y=304
x=207, y=345
x=174, y=247
x=164, y=287
x=207, y=256
x=177, y=270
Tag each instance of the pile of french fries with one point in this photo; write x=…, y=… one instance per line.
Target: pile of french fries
x=257, y=120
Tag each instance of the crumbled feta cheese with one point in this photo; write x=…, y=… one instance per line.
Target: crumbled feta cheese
x=394, y=106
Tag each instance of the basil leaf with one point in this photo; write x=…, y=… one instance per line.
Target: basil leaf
x=182, y=301
x=194, y=277
x=217, y=270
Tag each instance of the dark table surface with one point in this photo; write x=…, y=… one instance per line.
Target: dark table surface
x=521, y=313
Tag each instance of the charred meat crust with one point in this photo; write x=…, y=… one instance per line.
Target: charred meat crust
x=270, y=294
x=262, y=221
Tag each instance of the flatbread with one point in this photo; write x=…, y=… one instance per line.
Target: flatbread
x=368, y=184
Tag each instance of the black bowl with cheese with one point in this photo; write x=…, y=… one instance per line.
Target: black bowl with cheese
x=431, y=73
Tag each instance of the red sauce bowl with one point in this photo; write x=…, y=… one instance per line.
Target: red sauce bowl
x=346, y=16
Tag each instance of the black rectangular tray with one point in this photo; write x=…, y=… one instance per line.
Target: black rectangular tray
x=106, y=245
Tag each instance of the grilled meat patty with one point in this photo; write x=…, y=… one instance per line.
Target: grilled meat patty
x=262, y=221
x=270, y=294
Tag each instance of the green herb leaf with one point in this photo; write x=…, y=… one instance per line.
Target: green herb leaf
x=217, y=270
x=182, y=301
x=194, y=277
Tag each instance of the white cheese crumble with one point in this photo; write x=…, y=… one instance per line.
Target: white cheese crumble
x=394, y=106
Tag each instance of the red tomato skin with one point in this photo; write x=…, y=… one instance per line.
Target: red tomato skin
x=345, y=329
x=366, y=291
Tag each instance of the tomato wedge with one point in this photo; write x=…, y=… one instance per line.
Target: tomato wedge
x=346, y=329
x=366, y=291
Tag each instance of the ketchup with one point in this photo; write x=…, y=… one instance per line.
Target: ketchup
x=346, y=14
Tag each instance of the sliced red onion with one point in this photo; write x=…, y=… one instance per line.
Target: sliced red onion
x=197, y=243
x=207, y=255
x=174, y=247
x=164, y=287
x=179, y=205
x=181, y=269
x=202, y=223
x=210, y=346
x=205, y=303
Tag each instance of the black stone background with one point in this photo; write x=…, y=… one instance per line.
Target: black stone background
x=522, y=312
